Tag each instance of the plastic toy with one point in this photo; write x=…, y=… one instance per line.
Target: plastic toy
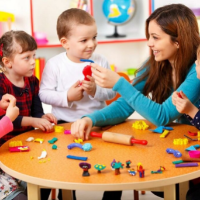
x=141, y=125
x=54, y=146
x=30, y=139
x=112, y=163
x=192, y=134
x=67, y=132
x=85, y=147
x=52, y=140
x=117, y=166
x=194, y=154
x=176, y=153
x=193, y=147
x=180, y=141
x=40, y=38
x=190, y=164
x=164, y=134
x=132, y=172
x=19, y=149
x=141, y=171
x=87, y=69
x=159, y=171
x=39, y=140
x=177, y=161
x=76, y=157
x=161, y=128
x=15, y=143
x=128, y=162
x=139, y=165
x=179, y=95
x=190, y=138
x=118, y=138
x=85, y=166
x=58, y=129
x=99, y=167
x=43, y=154
x=78, y=140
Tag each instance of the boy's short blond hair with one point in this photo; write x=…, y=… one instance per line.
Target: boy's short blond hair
x=71, y=17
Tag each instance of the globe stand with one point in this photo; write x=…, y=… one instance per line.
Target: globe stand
x=115, y=34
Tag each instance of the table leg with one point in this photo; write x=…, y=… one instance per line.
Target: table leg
x=67, y=195
x=183, y=188
x=170, y=192
x=33, y=191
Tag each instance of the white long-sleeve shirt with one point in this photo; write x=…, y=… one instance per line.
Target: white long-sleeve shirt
x=58, y=76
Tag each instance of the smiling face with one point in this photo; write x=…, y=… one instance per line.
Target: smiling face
x=81, y=42
x=22, y=64
x=161, y=44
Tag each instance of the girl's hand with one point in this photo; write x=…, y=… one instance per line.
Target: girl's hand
x=42, y=124
x=184, y=105
x=12, y=111
x=175, y=97
x=81, y=128
x=50, y=117
x=105, y=78
x=89, y=86
x=6, y=99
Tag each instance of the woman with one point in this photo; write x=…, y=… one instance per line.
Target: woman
x=173, y=38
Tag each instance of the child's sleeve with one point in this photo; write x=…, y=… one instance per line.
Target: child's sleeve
x=196, y=120
x=36, y=108
x=103, y=94
x=48, y=85
x=6, y=126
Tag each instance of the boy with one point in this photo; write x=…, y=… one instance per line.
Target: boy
x=60, y=84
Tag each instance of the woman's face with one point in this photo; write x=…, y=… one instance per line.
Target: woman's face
x=160, y=43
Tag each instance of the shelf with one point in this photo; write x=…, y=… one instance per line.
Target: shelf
x=134, y=29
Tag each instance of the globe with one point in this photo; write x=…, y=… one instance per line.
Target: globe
x=118, y=12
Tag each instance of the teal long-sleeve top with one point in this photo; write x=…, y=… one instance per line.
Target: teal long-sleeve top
x=132, y=99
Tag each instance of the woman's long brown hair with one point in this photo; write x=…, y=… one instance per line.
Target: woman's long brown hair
x=180, y=23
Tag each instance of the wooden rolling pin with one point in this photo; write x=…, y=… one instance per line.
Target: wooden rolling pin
x=118, y=138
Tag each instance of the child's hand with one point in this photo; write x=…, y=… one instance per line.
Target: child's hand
x=12, y=110
x=89, y=86
x=75, y=92
x=6, y=99
x=81, y=128
x=50, y=117
x=184, y=105
x=42, y=124
x=175, y=97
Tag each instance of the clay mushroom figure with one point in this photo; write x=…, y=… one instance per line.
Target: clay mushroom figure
x=85, y=166
x=99, y=167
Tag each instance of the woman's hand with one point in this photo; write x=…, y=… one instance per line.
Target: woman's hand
x=105, y=78
x=81, y=128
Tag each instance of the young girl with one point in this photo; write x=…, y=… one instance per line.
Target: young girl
x=184, y=105
x=17, y=58
x=9, y=187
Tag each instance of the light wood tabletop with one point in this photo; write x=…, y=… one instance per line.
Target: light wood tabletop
x=61, y=172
